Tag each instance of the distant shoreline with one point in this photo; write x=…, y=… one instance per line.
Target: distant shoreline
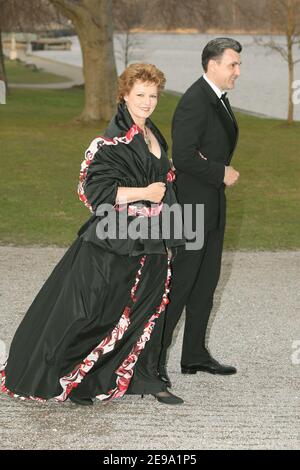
x=22, y=37
x=209, y=31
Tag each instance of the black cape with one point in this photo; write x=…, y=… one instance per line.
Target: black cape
x=122, y=158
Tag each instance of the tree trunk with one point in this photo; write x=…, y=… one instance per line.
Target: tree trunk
x=92, y=20
x=126, y=52
x=289, y=35
x=2, y=65
x=290, y=117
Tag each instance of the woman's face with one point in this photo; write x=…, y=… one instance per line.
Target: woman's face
x=141, y=101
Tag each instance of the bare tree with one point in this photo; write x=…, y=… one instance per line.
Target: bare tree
x=174, y=14
x=128, y=16
x=22, y=15
x=92, y=21
x=283, y=18
x=286, y=14
x=3, y=76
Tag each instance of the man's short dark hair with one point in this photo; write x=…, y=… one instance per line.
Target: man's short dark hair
x=214, y=49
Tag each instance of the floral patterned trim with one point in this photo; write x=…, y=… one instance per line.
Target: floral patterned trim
x=126, y=369
x=4, y=389
x=73, y=379
x=95, y=145
x=137, y=279
x=171, y=176
x=140, y=211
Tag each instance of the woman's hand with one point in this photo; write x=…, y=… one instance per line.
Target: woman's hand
x=155, y=192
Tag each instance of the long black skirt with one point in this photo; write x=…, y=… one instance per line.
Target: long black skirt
x=88, y=329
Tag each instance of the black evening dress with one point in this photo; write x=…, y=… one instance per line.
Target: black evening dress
x=94, y=328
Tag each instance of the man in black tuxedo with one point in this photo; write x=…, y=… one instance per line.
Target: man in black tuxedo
x=204, y=133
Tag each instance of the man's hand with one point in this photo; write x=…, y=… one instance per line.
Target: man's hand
x=231, y=176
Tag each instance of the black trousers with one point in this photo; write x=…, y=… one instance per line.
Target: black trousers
x=195, y=275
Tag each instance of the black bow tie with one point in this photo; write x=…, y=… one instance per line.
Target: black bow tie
x=226, y=104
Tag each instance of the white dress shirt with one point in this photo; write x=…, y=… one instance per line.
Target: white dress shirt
x=217, y=91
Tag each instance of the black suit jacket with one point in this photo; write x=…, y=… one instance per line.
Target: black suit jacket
x=201, y=124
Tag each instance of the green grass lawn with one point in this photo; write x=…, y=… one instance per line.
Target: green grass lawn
x=42, y=148
x=17, y=73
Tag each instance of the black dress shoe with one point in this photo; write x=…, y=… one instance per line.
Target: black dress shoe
x=163, y=375
x=209, y=365
x=167, y=398
x=81, y=401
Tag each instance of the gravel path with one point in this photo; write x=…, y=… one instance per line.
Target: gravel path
x=256, y=327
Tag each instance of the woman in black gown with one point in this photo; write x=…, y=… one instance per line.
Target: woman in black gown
x=94, y=329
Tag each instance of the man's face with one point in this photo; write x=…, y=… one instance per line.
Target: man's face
x=226, y=70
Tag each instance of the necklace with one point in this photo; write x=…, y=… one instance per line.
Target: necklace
x=147, y=138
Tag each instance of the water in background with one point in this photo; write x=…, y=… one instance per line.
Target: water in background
x=261, y=88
